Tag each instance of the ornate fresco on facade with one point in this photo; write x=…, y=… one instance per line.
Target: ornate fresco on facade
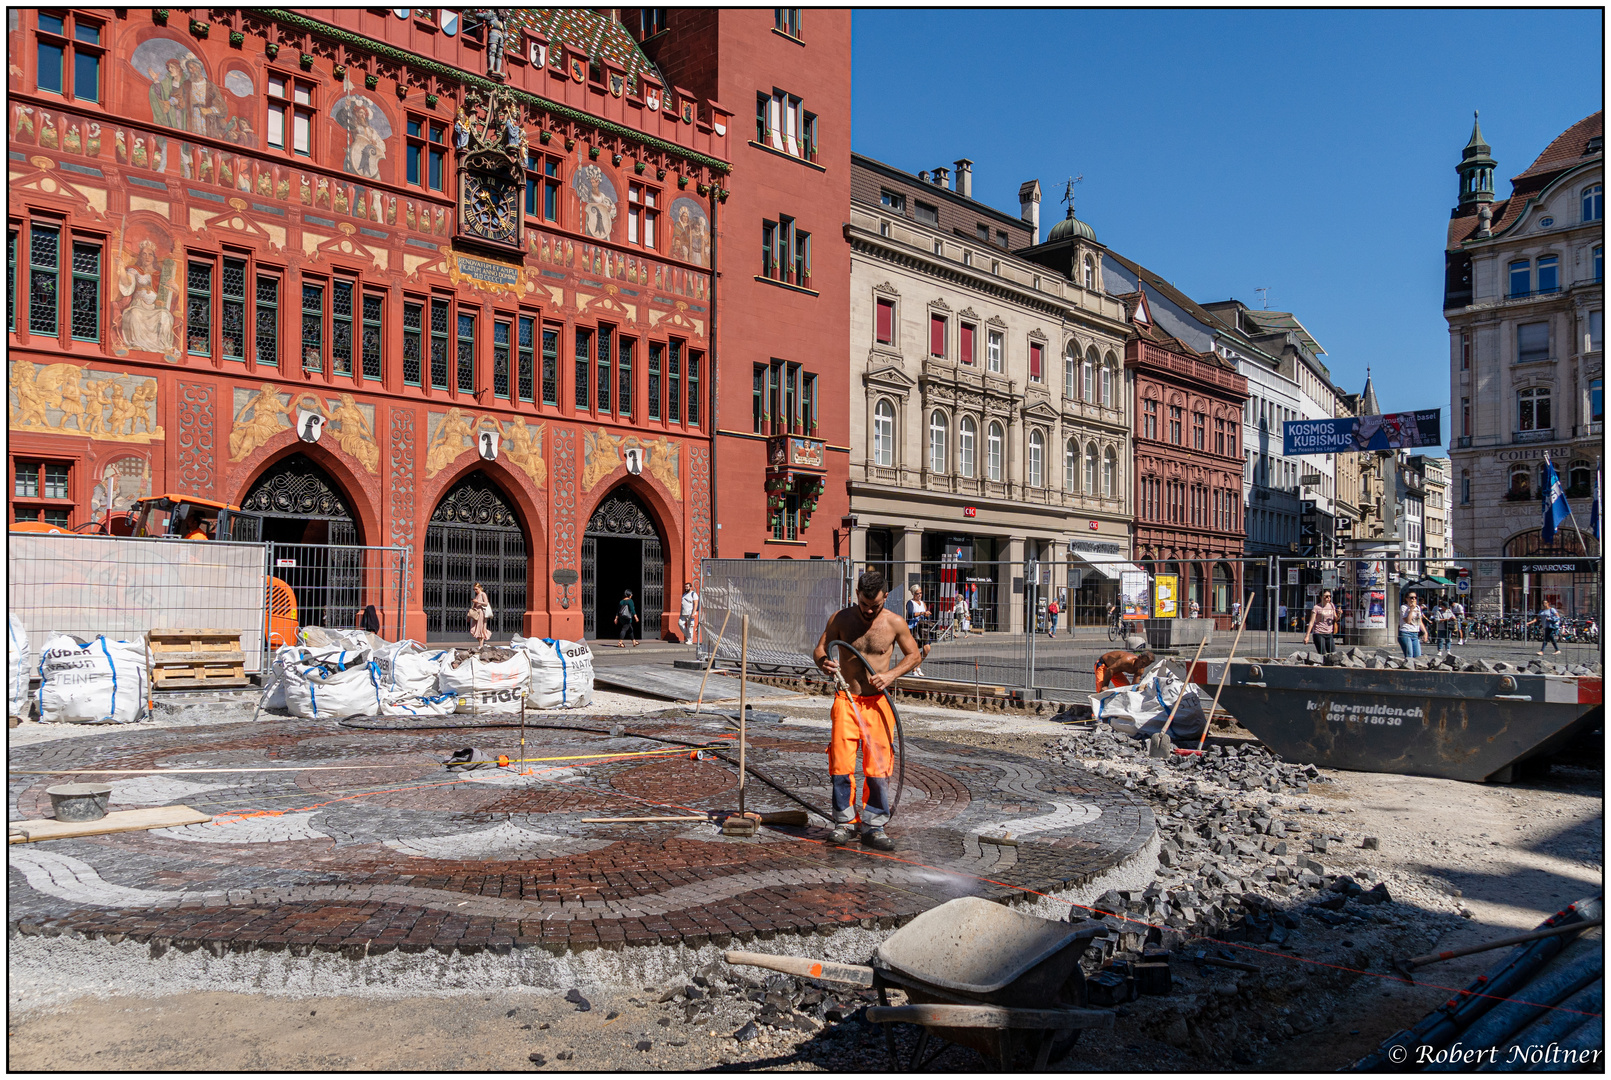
x=598, y=199
x=452, y=434
x=146, y=292
x=98, y=405
x=603, y=453
x=350, y=424
x=367, y=131
x=182, y=96
x=118, y=483
x=690, y=232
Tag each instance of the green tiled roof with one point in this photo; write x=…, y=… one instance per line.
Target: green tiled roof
x=591, y=32
x=1283, y=320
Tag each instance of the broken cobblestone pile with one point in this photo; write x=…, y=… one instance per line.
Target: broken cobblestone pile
x=1241, y=858
x=1357, y=657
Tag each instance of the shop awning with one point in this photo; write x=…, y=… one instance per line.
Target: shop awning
x=1439, y=580
x=1111, y=569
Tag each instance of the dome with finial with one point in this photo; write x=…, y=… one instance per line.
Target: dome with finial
x=1071, y=227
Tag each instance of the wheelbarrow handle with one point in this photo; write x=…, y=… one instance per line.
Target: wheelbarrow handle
x=999, y=1017
x=825, y=970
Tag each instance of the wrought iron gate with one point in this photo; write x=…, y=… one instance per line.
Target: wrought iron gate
x=334, y=582
x=473, y=536
x=621, y=516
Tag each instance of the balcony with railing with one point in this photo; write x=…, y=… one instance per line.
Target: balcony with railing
x=1536, y=435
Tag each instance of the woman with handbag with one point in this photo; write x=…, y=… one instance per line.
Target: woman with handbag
x=625, y=615
x=480, y=611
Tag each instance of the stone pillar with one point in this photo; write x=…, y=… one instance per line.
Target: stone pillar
x=908, y=563
x=1013, y=586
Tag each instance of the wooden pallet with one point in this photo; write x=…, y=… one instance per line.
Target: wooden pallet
x=188, y=659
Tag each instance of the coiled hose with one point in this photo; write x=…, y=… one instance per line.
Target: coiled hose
x=899, y=742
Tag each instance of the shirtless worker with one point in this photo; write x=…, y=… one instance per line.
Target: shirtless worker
x=864, y=715
x=1112, y=668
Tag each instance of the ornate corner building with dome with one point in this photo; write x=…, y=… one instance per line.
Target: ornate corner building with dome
x=436, y=279
x=1524, y=298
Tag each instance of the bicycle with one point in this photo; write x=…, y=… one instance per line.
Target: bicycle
x=1114, y=633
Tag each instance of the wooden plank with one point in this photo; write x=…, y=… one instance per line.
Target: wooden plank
x=154, y=817
x=989, y=1016
x=198, y=671
x=183, y=633
x=202, y=684
x=165, y=658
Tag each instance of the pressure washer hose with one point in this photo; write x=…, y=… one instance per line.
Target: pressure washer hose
x=899, y=741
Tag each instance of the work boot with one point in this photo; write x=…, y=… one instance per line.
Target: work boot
x=841, y=834
x=877, y=839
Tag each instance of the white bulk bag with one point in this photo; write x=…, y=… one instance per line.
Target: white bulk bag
x=485, y=686
x=332, y=684
x=102, y=681
x=432, y=704
x=18, y=670
x=323, y=637
x=561, y=672
x=407, y=669
x=273, y=696
x=1142, y=709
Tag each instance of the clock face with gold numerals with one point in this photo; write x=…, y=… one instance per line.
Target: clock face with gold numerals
x=490, y=208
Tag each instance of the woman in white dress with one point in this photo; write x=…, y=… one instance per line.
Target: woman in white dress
x=146, y=325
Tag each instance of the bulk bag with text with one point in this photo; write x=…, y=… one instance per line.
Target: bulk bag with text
x=101, y=681
x=561, y=672
x=486, y=680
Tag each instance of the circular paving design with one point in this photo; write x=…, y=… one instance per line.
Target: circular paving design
x=361, y=841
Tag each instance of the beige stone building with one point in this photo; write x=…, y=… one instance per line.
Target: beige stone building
x=1524, y=299
x=988, y=418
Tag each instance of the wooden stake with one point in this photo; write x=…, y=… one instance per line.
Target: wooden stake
x=1183, y=686
x=525, y=771
x=743, y=716
x=616, y=820
x=1208, y=717
x=712, y=663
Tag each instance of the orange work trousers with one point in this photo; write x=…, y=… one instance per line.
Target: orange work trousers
x=863, y=722
x=1103, y=681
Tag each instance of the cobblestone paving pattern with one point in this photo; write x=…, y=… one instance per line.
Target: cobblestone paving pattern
x=399, y=853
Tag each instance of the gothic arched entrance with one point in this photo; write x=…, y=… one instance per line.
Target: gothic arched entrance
x=621, y=550
x=474, y=535
x=306, y=519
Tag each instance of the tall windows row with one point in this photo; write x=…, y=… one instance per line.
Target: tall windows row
x=1092, y=378
x=63, y=295
x=1169, y=424
x=786, y=252
x=781, y=123
x=985, y=457
x=783, y=399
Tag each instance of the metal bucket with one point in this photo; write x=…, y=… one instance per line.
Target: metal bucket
x=79, y=802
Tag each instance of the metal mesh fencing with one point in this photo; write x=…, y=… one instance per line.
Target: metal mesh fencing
x=90, y=585
x=788, y=602
x=333, y=583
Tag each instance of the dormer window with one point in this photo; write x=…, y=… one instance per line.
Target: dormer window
x=1090, y=273
x=1594, y=202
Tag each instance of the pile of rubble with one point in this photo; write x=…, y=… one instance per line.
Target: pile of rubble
x=1357, y=657
x=1241, y=859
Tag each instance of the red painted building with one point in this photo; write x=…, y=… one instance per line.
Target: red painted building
x=1188, y=463
x=387, y=280
x=783, y=277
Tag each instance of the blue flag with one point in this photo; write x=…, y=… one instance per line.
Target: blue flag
x=1594, y=508
x=1555, y=508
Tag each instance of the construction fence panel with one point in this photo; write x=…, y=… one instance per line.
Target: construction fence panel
x=333, y=583
x=788, y=602
x=85, y=586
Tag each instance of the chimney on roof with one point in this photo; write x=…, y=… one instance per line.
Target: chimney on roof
x=1029, y=206
x=964, y=177
x=924, y=176
x=942, y=178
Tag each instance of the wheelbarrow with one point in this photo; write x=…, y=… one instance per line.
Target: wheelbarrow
x=975, y=973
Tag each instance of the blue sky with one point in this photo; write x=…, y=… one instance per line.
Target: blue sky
x=1309, y=151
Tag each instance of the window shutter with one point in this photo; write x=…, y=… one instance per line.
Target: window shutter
x=886, y=322
x=967, y=344
x=937, y=335
x=1034, y=361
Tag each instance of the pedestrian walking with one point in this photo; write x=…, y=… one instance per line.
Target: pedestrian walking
x=1322, y=624
x=961, y=614
x=1051, y=619
x=626, y=613
x=478, y=615
x=1281, y=616
x=1459, y=610
x=1236, y=612
x=688, y=615
x=917, y=616
x=1445, y=624
x=1549, y=621
x=1411, y=627
x=1193, y=610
